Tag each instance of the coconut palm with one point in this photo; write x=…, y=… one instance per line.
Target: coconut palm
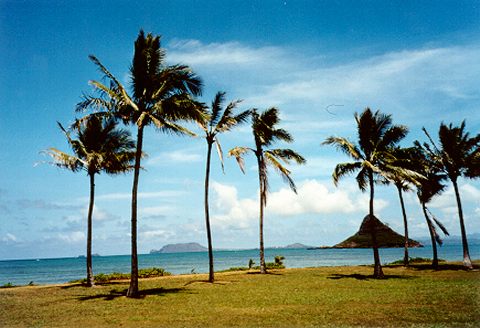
x=161, y=95
x=218, y=121
x=456, y=155
x=99, y=147
x=403, y=176
x=428, y=187
x=266, y=133
x=376, y=137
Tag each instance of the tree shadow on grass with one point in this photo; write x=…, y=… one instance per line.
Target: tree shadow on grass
x=96, y=284
x=114, y=293
x=357, y=276
x=205, y=281
x=443, y=267
x=268, y=273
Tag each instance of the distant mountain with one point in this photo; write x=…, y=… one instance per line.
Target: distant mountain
x=180, y=248
x=297, y=246
x=386, y=237
x=291, y=246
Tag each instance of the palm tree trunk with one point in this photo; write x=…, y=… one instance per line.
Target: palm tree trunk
x=90, y=281
x=133, y=288
x=377, y=271
x=263, y=268
x=432, y=237
x=211, y=273
x=467, y=262
x=405, y=225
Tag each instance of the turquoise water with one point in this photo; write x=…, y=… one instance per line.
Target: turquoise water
x=50, y=271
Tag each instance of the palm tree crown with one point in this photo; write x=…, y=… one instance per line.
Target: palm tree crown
x=99, y=147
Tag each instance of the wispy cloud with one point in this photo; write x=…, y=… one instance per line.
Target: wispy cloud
x=197, y=53
x=175, y=156
x=141, y=195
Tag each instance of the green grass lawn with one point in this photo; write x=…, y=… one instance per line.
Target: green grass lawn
x=330, y=296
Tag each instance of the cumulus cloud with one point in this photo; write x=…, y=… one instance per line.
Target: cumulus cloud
x=312, y=197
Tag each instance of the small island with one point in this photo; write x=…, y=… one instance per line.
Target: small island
x=180, y=248
x=386, y=237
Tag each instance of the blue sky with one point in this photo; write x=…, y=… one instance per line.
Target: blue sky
x=319, y=62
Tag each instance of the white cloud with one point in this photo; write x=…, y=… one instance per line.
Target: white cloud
x=176, y=156
x=155, y=210
x=406, y=77
x=313, y=198
x=195, y=53
x=72, y=237
x=155, y=234
x=9, y=238
x=140, y=195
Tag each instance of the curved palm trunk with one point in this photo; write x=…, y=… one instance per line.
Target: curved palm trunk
x=263, y=268
x=133, y=288
x=467, y=262
x=377, y=271
x=211, y=273
x=432, y=237
x=405, y=225
x=90, y=281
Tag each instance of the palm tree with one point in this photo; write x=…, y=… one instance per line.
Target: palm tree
x=161, y=95
x=99, y=147
x=265, y=134
x=212, y=125
x=457, y=155
x=376, y=137
x=402, y=176
x=427, y=187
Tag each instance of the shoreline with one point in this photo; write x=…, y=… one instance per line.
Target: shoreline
x=425, y=264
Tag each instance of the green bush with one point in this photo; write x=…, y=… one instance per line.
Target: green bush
x=142, y=273
x=8, y=285
x=415, y=260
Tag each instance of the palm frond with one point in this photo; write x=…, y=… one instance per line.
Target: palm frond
x=344, y=169
x=216, y=109
x=344, y=145
x=238, y=153
x=438, y=223
x=220, y=153
x=287, y=155
x=64, y=160
x=283, y=171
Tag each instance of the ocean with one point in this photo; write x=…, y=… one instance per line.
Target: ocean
x=61, y=270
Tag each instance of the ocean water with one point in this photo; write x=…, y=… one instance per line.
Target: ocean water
x=61, y=270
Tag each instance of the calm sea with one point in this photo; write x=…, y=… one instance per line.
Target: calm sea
x=50, y=271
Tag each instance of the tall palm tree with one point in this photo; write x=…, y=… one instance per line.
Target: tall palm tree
x=403, y=176
x=456, y=155
x=99, y=147
x=161, y=95
x=218, y=121
x=376, y=137
x=266, y=133
x=428, y=187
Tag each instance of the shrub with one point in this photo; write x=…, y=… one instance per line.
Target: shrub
x=142, y=273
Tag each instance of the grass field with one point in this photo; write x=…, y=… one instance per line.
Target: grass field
x=330, y=296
